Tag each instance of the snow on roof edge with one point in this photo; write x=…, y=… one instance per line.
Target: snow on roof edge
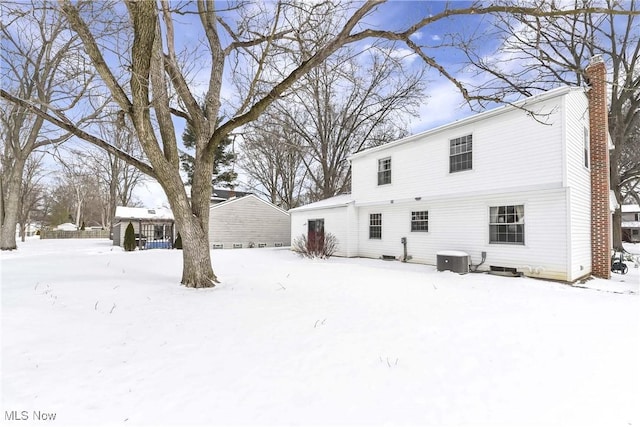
x=331, y=202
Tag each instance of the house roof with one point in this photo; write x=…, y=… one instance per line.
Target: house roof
x=331, y=202
x=218, y=194
x=248, y=196
x=123, y=212
x=67, y=226
x=630, y=208
x=550, y=94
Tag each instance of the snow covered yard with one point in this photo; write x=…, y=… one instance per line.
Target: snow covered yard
x=95, y=335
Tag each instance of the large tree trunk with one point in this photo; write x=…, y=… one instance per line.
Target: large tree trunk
x=614, y=177
x=10, y=205
x=617, y=230
x=197, y=271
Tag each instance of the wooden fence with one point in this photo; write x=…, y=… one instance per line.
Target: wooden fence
x=78, y=234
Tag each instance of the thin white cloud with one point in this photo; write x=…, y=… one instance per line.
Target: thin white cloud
x=444, y=104
x=436, y=37
x=417, y=35
x=406, y=55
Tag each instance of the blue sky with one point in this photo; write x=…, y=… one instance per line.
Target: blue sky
x=443, y=102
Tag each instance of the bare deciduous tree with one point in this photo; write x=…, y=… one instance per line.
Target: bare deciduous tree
x=345, y=105
x=43, y=63
x=32, y=192
x=537, y=53
x=158, y=86
x=273, y=159
x=116, y=179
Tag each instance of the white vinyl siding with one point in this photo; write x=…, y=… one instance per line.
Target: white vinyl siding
x=511, y=151
x=338, y=221
x=462, y=224
x=578, y=183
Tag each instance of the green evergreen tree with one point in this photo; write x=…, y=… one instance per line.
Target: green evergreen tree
x=178, y=243
x=222, y=173
x=129, y=238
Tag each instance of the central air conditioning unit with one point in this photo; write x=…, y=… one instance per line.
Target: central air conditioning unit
x=455, y=261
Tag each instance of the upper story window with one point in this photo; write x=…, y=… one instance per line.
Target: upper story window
x=384, y=171
x=506, y=224
x=460, y=154
x=375, y=226
x=586, y=148
x=637, y=217
x=420, y=221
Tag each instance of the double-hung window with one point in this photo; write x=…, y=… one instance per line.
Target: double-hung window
x=384, y=171
x=375, y=226
x=420, y=221
x=506, y=224
x=460, y=150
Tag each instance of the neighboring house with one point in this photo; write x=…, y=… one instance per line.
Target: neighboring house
x=248, y=221
x=631, y=223
x=67, y=226
x=218, y=195
x=513, y=187
x=154, y=228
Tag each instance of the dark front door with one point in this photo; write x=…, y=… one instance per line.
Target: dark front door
x=315, y=235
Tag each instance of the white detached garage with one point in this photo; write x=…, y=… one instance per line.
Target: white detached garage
x=248, y=221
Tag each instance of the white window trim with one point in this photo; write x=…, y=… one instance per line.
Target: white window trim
x=377, y=226
x=524, y=224
x=384, y=170
x=411, y=230
x=451, y=155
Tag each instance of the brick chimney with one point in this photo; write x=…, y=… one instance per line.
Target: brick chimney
x=599, y=147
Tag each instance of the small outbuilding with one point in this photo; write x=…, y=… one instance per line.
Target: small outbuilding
x=247, y=222
x=154, y=228
x=338, y=215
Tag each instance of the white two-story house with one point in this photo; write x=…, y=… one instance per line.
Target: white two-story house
x=513, y=184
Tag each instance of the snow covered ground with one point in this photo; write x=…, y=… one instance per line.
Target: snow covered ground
x=93, y=335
